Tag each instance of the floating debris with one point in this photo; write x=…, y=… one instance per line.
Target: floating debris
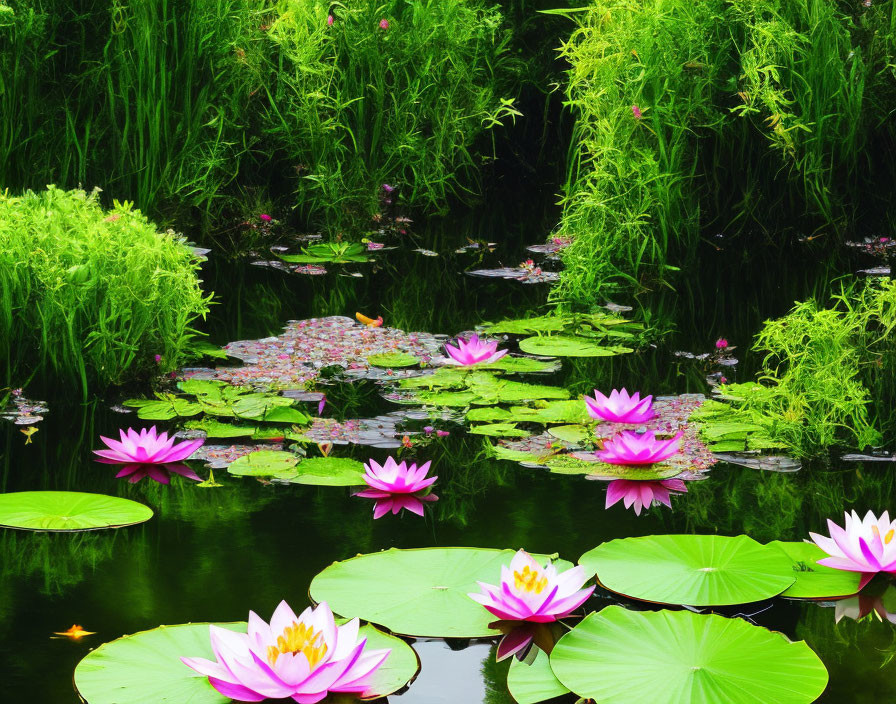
x=426, y=252
x=296, y=358
x=23, y=411
x=307, y=269
x=523, y=274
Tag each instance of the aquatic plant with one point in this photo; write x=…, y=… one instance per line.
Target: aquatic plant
x=620, y=407
x=90, y=296
x=146, y=447
x=643, y=494
x=473, y=351
x=68, y=511
x=639, y=448
x=862, y=545
x=303, y=657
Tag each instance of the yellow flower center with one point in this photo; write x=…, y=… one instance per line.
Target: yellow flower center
x=530, y=580
x=299, y=638
x=888, y=538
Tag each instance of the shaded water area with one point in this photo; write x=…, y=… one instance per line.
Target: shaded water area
x=211, y=554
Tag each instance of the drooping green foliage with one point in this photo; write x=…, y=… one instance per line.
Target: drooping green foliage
x=719, y=117
x=89, y=294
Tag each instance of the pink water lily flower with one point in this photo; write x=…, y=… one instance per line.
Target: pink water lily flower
x=620, y=407
x=638, y=448
x=146, y=447
x=643, y=494
x=303, y=657
x=863, y=545
x=396, y=486
x=533, y=593
x=473, y=351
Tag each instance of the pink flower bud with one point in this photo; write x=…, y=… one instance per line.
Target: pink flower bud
x=384, y=24
x=721, y=343
x=636, y=111
x=264, y=217
x=330, y=20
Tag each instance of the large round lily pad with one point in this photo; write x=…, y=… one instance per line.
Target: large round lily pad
x=69, y=511
x=419, y=592
x=697, y=570
x=675, y=657
x=145, y=668
x=529, y=684
x=393, y=360
x=567, y=346
x=814, y=581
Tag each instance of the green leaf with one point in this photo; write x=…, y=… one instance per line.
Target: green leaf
x=498, y=430
x=553, y=412
x=278, y=464
x=393, y=360
x=814, y=581
x=570, y=433
x=567, y=464
x=329, y=471
x=145, y=668
x=68, y=511
x=420, y=593
x=487, y=414
x=530, y=684
x=670, y=657
x=528, y=326
x=164, y=409
x=694, y=570
x=567, y=346
x=286, y=414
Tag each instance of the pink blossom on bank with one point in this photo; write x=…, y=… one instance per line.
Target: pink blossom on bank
x=330, y=20
x=638, y=448
x=643, y=494
x=146, y=447
x=619, y=407
x=303, y=657
x=384, y=24
x=636, y=111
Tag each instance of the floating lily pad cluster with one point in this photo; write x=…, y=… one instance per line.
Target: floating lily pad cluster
x=568, y=444
x=675, y=656
x=726, y=428
x=216, y=398
x=295, y=358
x=290, y=468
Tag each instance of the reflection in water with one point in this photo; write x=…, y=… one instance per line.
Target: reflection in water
x=160, y=473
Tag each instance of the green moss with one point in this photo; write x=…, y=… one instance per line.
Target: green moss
x=91, y=295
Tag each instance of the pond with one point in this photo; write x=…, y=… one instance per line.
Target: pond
x=210, y=554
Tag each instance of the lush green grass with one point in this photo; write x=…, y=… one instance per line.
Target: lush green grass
x=761, y=120
x=91, y=296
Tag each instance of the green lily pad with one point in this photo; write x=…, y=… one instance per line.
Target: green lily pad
x=68, y=511
x=393, y=360
x=329, y=471
x=145, y=668
x=520, y=365
x=278, y=464
x=576, y=434
x=567, y=464
x=552, y=412
x=419, y=593
x=487, y=414
x=456, y=399
x=530, y=684
x=527, y=326
x=670, y=657
x=505, y=453
x=814, y=581
x=285, y=466
x=216, y=429
x=165, y=408
x=695, y=570
x=286, y=414
x=498, y=430
x=567, y=346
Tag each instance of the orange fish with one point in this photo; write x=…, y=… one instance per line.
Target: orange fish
x=75, y=633
x=369, y=322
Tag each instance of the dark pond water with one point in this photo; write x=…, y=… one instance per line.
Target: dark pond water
x=213, y=554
